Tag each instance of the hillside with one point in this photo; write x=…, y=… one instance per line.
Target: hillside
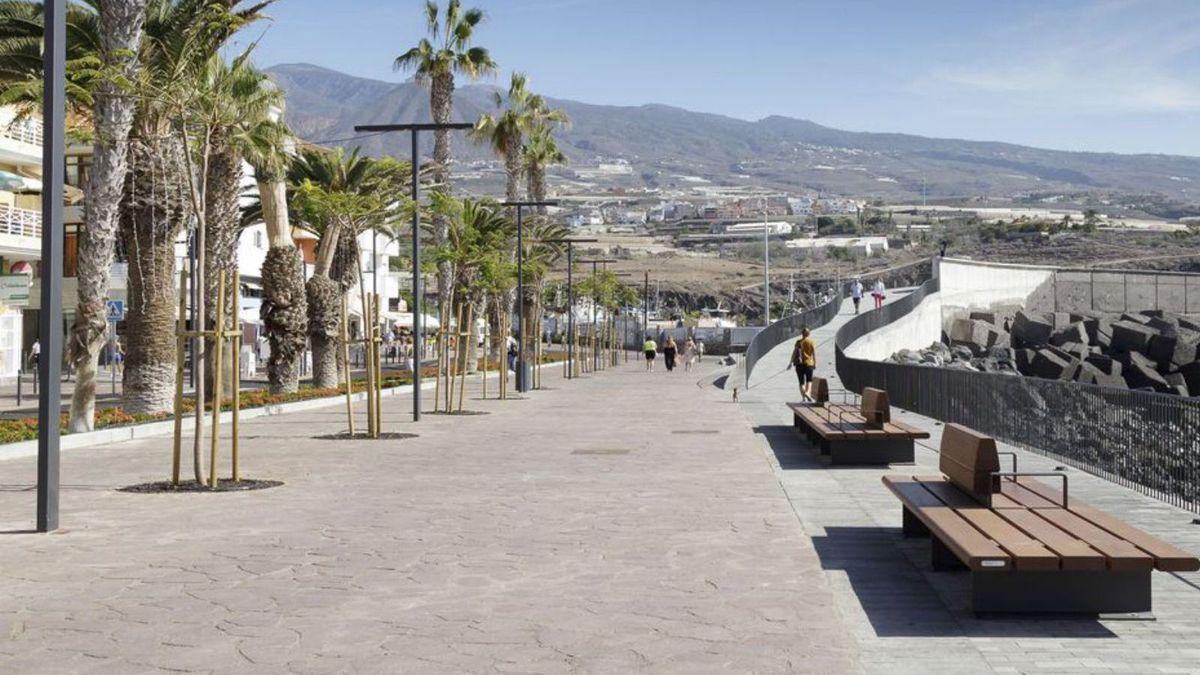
x=663, y=142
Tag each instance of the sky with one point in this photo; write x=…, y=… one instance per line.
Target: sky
x=1104, y=75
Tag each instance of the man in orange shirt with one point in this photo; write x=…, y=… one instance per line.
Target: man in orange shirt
x=804, y=360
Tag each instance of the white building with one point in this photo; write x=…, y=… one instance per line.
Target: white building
x=868, y=245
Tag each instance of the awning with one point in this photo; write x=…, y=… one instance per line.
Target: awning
x=12, y=182
x=405, y=320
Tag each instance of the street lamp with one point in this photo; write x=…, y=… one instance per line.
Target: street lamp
x=50, y=323
x=415, y=131
x=522, y=376
x=570, y=297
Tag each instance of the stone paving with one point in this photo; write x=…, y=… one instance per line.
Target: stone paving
x=902, y=616
x=621, y=522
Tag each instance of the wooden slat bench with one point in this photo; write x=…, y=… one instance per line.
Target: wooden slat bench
x=863, y=434
x=1028, y=546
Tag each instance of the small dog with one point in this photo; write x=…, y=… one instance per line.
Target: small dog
x=735, y=398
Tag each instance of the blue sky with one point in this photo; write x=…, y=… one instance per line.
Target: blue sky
x=1105, y=75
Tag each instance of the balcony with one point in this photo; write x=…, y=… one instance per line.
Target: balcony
x=20, y=232
x=21, y=141
x=28, y=131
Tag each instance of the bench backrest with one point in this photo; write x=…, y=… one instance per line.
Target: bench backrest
x=968, y=459
x=820, y=390
x=875, y=407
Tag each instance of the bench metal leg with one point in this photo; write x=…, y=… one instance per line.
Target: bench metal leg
x=1094, y=592
x=943, y=558
x=877, y=451
x=913, y=527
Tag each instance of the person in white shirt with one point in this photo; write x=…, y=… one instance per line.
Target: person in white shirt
x=878, y=293
x=856, y=292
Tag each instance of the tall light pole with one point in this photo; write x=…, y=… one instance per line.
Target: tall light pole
x=415, y=131
x=50, y=322
x=570, y=297
x=522, y=377
x=766, y=267
x=594, y=262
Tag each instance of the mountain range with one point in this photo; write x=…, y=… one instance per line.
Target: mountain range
x=668, y=145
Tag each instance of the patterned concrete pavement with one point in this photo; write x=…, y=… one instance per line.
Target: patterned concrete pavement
x=902, y=616
x=625, y=521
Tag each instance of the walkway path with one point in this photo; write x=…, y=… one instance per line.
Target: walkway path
x=625, y=521
x=905, y=618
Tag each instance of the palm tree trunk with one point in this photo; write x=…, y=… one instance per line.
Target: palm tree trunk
x=120, y=33
x=284, y=307
x=441, y=98
x=223, y=213
x=324, y=316
x=152, y=216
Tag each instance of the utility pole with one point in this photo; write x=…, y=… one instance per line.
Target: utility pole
x=766, y=267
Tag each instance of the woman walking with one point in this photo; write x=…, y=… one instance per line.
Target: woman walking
x=689, y=354
x=804, y=360
x=651, y=350
x=877, y=292
x=669, y=351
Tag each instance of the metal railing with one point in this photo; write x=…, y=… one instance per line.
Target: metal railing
x=1145, y=441
x=26, y=131
x=21, y=222
x=788, y=328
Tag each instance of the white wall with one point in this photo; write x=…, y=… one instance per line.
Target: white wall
x=965, y=285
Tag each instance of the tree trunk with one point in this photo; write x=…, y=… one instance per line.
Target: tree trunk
x=223, y=213
x=441, y=98
x=152, y=217
x=324, y=327
x=284, y=312
x=120, y=33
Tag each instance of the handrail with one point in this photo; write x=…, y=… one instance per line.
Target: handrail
x=787, y=328
x=1142, y=440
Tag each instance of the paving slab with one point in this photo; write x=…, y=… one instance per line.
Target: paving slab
x=902, y=616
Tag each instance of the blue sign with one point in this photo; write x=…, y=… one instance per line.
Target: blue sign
x=116, y=310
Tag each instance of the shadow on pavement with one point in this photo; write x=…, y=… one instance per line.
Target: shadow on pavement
x=903, y=597
x=792, y=450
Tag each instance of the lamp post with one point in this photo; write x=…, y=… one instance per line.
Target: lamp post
x=522, y=376
x=766, y=266
x=570, y=297
x=415, y=131
x=50, y=322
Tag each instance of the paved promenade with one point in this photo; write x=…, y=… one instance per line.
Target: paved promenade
x=622, y=522
x=625, y=521
x=905, y=618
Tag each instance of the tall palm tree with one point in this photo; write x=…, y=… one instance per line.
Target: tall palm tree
x=541, y=151
x=435, y=60
x=160, y=192
x=284, y=309
x=110, y=32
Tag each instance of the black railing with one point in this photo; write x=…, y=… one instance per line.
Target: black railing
x=787, y=328
x=1146, y=441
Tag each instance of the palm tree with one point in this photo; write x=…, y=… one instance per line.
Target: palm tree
x=435, y=60
x=161, y=194
x=234, y=108
x=541, y=151
x=110, y=32
x=338, y=195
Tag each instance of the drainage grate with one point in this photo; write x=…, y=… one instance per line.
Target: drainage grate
x=602, y=451
x=696, y=431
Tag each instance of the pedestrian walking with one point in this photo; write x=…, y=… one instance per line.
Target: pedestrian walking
x=669, y=351
x=877, y=292
x=699, y=351
x=35, y=353
x=512, y=353
x=856, y=293
x=650, y=348
x=689, y=354
x=804, y=360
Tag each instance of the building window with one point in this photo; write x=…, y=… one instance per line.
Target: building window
x=258, y=239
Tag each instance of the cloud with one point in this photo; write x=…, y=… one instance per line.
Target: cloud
x=1123, y=56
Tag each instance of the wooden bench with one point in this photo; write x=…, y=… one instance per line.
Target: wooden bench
x=862, y=434
x=1028, y=546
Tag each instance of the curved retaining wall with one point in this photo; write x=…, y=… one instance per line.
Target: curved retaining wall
x=785, y=329
x=1142, y=440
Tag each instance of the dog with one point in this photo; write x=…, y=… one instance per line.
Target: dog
x=735, y=398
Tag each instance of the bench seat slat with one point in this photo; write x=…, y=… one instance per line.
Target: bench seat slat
x=1027, y=553
x=828, y=424
x=1076, y=555
x=1122, y=555
x=1167, y=558
x=975, y=550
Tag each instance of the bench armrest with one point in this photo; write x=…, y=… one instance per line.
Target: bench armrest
x=1033, y=474
x=846, y=394
x=1014, y=458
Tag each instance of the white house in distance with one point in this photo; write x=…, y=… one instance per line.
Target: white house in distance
x=868, y=245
